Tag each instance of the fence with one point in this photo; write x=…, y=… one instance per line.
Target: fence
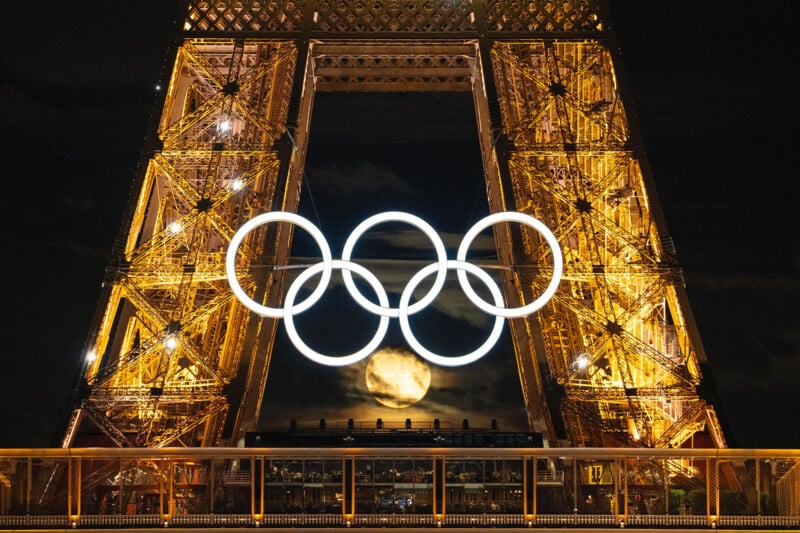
x=398, y=487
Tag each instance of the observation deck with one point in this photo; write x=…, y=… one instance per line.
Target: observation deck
x=399, y=487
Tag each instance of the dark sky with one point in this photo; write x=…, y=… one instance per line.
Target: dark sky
x=715, y=100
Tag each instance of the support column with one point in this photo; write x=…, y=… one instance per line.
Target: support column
x=257, y=488
x=529, y=488
x=348, y=489
x=439, y=487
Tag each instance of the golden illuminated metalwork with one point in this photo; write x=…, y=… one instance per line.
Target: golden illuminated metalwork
x=613, y=360
x=617, y=338
x=170, y=341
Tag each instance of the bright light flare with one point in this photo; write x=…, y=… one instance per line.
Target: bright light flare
x=170, y=343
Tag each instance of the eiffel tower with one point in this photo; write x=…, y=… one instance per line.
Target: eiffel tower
x=614, y=359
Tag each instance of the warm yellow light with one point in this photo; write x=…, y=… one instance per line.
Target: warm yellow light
x=170, y=343
x=633, y=430
x=397, y=378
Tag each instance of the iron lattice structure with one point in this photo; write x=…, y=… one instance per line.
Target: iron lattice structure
x=613, y=360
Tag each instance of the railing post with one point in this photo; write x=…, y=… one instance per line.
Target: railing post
x=439, y=475
x=665, y=466
x=530, y=472
x=257, y=488
x=70, y=487
x=758, y=486
x=621, y=498
x=74, y=489
x=712, y=490
x=29, y=486
x=348, y=489
x=167, y=493
x=574, y=485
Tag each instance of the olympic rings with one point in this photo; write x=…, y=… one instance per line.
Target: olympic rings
x=291, y=331
x=250, y=225
x=396, y=216
x=476, y=354
x=558, y=264
x=382, y=309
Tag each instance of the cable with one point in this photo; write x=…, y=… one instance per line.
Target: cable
x=307, y=183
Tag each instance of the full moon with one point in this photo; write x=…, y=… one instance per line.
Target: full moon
x=397, y=378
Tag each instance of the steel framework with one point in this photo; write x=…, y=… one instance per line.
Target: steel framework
x=613, y=360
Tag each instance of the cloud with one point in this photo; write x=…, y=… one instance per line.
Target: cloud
x=485, y=390
x=364, y=179
x=394, y=274
x=451, y=302
x=416, y=241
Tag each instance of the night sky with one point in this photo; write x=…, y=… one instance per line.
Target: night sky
x=714, y=99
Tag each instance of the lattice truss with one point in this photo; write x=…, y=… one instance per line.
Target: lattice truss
x=543, y=15
x=392, y=16
x=392, y=66
x=615, y=336
x=170, y=338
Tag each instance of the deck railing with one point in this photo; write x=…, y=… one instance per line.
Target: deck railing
x=399, y=487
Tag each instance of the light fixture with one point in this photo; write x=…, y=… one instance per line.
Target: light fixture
x=91, y=356
x=237, y=184
x=174, y=227
x=170, y=343
x=224, y=125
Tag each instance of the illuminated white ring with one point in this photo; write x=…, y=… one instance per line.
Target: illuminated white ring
x=265, y=218
x=302, y=347
x=427, y=229
x=558, y=264
x=421, y=350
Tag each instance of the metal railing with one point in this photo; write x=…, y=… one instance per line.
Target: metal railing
x=399, y=487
